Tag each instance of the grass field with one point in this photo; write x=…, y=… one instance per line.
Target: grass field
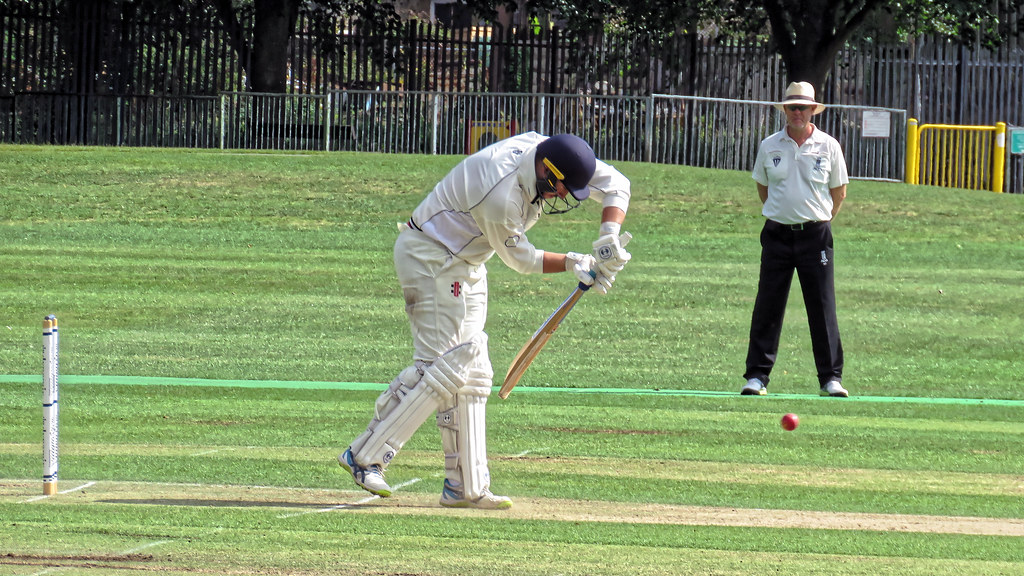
x=227, y=320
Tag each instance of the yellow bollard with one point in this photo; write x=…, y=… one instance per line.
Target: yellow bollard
x=912, y=152
x=999, y=158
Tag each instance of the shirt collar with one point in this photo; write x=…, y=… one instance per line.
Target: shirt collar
x=812, y=138
x=527, y=174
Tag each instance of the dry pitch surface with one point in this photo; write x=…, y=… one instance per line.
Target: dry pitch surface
x=291, y=502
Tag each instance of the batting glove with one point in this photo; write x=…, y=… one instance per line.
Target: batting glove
x=610, y=255
x=582, y=265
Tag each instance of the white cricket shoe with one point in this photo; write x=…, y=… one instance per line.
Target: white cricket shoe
x=370, y=478
x=834, y=388
x=754, y=387
x=453, y=498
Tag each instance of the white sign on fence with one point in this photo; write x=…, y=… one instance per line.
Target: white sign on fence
x=875, y=124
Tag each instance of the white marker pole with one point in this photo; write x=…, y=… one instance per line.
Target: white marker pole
x=51, y=408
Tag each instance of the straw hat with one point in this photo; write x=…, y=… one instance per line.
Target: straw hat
x=800, y=93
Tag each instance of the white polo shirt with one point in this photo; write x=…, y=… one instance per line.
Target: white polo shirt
x=799, y=177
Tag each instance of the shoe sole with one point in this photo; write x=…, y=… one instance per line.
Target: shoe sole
x=836, y=395
x=761, y=392
x=454, y=502
x=464, y=504
x=381, y=493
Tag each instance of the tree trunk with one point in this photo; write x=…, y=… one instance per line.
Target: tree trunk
x=809, y=34
x=811, y=70
x=272, y=33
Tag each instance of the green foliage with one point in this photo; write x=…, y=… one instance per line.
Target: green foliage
x=964, y=20
x=806, y=34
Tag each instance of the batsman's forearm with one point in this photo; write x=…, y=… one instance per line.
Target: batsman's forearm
x=612, y=218
x=613, y=214
x=553, y=262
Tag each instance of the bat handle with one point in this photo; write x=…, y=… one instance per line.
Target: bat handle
x=585, y=287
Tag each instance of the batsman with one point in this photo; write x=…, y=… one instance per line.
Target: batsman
x=484, y=206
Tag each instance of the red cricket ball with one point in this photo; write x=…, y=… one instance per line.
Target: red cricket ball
x=790, y=422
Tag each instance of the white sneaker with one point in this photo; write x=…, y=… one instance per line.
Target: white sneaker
x=370, y=478
x=754, y=387
x=453, y=498
x=834, y=388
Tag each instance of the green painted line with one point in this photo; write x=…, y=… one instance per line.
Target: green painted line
x=161, y=381
x=377, y=386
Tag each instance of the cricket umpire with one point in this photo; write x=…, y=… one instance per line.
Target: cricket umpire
x=483, y=207
x=801, y=179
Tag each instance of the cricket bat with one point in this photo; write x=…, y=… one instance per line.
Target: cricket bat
x=534, y=345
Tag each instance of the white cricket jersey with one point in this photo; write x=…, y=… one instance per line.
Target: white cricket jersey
x=799, y=179
x=485, y=204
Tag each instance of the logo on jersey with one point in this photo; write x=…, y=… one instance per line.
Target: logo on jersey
x=457, y=289
x=824, y=258
x=512, y=241
x=817, y=164
x=776, y=160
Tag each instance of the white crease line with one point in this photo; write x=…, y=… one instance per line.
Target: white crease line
x=525, y=452
x=211, y=451
x=68, y=491
x=349, y=504
x=82, y=487
x=145, y=546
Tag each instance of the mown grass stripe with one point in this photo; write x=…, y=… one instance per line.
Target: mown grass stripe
x=365, y=386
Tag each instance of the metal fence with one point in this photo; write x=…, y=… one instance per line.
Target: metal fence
x=103, y=120
x=682, y=130
x=954, y=156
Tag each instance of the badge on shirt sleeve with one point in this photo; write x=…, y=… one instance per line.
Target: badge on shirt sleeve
x=512, y=241
x=776, y=160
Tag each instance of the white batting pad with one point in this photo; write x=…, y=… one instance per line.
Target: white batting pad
x=390, y=398
x=418, y=392
x=464, y=436
x=448, y=373
x=399, y=412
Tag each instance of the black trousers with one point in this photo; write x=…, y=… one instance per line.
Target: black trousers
x=806, y=249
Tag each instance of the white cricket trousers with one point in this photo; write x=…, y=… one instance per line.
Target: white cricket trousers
x=445, y=296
